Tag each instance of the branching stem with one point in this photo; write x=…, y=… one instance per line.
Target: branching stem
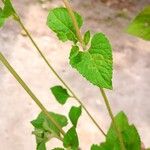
x=70, y=10
x=18, y=19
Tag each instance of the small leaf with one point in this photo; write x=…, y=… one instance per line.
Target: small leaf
x=60, y=94
x=87, y=36
x=6, y=12
x=8, y=9
x=60, y=22
x=58, y=148
x=96, y=63
x=71, y=139
x=95, y=147
x=2, y=20
x=41, y=138
x=41, y=146
x=43, y=123
x=45, y=129
x=74, y=115
x=140, y=26
x=129, y=133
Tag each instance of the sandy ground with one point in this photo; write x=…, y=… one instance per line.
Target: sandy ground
x=131, y=79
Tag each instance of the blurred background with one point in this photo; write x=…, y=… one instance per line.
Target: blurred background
x=131, y=79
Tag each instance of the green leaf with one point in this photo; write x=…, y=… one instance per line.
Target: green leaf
x=60, y=22
x=86, y=38
x=140, y=26
x=41, y=146
x=2, y=20
x=58, y=148
x=6, y=12
x=74, y=115
x=95, y=147
x=45, y=129
x=60, y=94
x=98, y=147
x=42, y=137
x=71, y=139
x=8, y=9
x=43, y=123
x=95, y=64
x=129, y=133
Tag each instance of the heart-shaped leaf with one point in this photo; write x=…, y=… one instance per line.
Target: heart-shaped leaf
x=96, y=64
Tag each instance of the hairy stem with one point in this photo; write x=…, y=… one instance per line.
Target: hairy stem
x=70, y=10
x=18, y=19
x=27, y=89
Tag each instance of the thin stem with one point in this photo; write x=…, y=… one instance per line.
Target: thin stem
x=27, y=89
x=89, y=115
x=78, y=32
x=70, y=10
x=17, y=18
x=112, y=118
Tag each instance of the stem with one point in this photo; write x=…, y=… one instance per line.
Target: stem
x=70, y=10
x=17, y=18
x=112, y=118
x=27, y=89
x=89, y=114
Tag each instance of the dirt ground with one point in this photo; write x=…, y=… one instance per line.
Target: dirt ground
x=131, y=80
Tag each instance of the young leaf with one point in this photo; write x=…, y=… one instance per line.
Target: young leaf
x=43, y=123
x=86, y=38
x=6, y=12
x=95, y=64
x=42, y=137
x=60, y=22
x=71, y=139
x=45, y=129
x=74, y=115
x=129, y=133
x=60, y=94
x=140, y=26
